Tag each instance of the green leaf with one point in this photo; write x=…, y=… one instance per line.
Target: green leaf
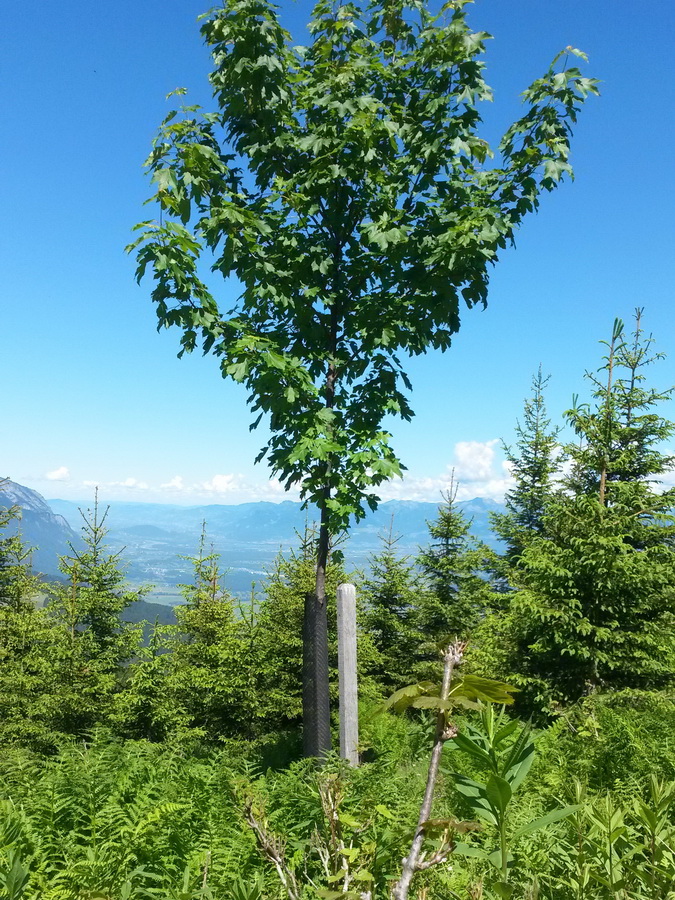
x=363, y=875
x=466, y=745
x=495, y=858
x=471, y=851
x=519, y=759
x=348, y=820
x=338, y=876
x=431, y=703
x=476, y=796
x=14, y=877
x=404, y=697
x=476, y=688
x=499, y=793
x=468, y=787
x=505, y=731
x=383, y=811
x=555, y=816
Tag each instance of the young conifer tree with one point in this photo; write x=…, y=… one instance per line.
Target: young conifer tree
x=457, y=592
x=19, y=585
x=595, y=608
x=533, y=463
x=345, y=188
x=209, y=677
x=390, y=596
x=621, y=436
x=149, y=707
x=27, y=645
x=95, y=642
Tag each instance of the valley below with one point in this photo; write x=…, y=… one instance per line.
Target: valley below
x=155, y=541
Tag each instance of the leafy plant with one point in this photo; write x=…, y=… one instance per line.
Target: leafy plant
x=616, y=851
x=462, y=692
x=657, y=838
x=505, y=750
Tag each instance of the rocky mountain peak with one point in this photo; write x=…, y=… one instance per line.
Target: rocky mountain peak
x=48, y=534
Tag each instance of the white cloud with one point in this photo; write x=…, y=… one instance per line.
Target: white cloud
x=668, y=477
x=222, y=484
x=132, y=484
x=666, y=481
x=430, y=489
x=274, y=486
x=230, y=487
x=175, y=484
x=273, y=491
x=474, y=460
x=476, y=468
x=473, y=470
x=60, y=474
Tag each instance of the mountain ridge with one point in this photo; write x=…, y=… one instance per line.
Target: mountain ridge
x=48, y=533
x=155, y=540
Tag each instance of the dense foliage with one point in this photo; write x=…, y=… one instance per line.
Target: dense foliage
x=345, y=185
x=595, y=576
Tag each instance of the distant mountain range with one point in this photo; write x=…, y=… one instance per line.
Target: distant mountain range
x=154, y=538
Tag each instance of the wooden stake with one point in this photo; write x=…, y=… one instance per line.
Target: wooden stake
x=349, y=713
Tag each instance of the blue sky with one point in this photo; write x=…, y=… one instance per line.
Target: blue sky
x=94, y=395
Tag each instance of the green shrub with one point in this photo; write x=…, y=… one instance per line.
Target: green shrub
x=611, y=741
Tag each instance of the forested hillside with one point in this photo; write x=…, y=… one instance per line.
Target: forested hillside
x=170, y=766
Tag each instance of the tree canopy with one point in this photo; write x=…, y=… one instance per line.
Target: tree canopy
x=346, y=189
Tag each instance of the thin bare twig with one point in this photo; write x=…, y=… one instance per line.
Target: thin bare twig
x=272, y=849
x=414, y=862
x=207, y=866
x=439, y=856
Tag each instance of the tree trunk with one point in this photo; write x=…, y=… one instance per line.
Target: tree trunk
x=315, y=687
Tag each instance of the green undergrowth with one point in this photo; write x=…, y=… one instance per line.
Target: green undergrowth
x=132, y=820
